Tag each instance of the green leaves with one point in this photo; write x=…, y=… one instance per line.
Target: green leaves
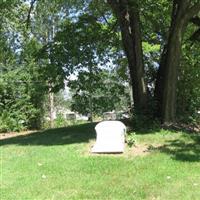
x=16, y=108
x=98, y=92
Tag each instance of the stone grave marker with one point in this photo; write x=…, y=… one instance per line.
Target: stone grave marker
x=110, y=137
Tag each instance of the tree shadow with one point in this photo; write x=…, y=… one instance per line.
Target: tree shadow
x=183, y=150
x=58, y=136
x=149, y=129
x=141, y=129
x=187, y=128
x=145, y=131
x=180, y=149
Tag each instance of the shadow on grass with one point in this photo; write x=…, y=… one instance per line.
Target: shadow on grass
x=149, y=129
x=185, y=149
x=182, y=150
x=59, y=136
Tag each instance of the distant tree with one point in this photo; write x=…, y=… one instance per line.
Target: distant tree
x=94, y=93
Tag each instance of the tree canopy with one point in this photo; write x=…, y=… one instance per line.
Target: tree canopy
x=151, y=48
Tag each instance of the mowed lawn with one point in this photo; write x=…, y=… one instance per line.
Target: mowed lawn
x=57, y=165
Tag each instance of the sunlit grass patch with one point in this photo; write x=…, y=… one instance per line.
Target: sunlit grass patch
x=57, y=164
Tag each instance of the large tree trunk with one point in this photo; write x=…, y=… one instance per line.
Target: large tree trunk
x=128, y=18
x=166, y=85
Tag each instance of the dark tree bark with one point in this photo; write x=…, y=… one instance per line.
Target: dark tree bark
x=195, y=37
x=127, y=14
x=166, y=84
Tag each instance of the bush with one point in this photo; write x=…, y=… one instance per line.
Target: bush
x=10, y=123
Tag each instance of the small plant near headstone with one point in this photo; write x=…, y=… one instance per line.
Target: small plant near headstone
x=151, y=148
x=130, y=140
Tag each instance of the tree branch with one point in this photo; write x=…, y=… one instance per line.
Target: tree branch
x=102, y=14
x=195, y=36
x=195, y=21
x=29, y=13
x=192, y=11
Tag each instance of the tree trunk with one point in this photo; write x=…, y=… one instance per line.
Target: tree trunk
x=128, y=18
x=51, y=107
x=167, y=76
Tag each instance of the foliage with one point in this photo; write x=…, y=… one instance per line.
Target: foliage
x=86, y=56
x=85, y=50
x=98, y=92
x=188, y=88
x=16, y=107
x=83, y=39
x=60, y=122
x=62, y=100
x=131, y=140
x=25, y=73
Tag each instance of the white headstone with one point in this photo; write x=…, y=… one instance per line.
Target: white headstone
x=110, y=137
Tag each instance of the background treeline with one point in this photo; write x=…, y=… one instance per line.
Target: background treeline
x=43, y=45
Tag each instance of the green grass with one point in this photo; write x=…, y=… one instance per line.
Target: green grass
x=56, y=165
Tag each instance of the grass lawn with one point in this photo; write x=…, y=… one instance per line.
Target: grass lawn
x=56, y=165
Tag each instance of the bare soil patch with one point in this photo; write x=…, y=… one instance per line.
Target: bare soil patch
x=14, y=134
x=140, y=150
x=137, y=150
